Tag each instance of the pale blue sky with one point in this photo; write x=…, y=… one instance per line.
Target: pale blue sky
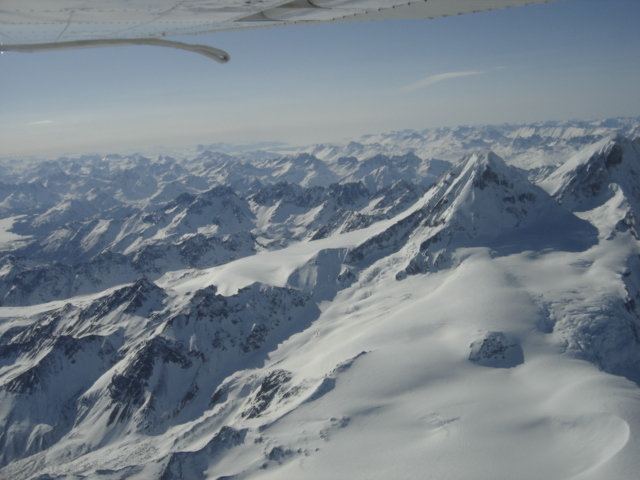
x=312, y=84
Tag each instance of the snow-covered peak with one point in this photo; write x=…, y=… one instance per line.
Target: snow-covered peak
x=480, y=201
x=303, y=169
x=586, y=180
x=486, y=198
x=527, y=146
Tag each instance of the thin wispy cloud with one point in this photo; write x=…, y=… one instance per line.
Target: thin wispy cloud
x=425, y=82
x=41, y=122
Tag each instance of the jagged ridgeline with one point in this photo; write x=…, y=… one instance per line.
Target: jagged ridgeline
x=375, y=309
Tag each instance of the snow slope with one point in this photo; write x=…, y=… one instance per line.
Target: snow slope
x=415, y=403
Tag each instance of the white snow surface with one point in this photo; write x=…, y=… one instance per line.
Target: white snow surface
x=9, y=240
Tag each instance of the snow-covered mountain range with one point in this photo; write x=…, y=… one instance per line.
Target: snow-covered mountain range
x=455, y=303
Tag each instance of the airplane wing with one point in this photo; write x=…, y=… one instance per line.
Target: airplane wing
x=43, y=25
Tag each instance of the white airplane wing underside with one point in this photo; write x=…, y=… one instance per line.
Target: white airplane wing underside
x=40, y=25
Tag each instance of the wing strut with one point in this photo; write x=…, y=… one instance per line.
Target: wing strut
x=209, y=52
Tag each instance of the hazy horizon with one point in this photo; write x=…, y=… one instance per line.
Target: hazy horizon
x=572, y=59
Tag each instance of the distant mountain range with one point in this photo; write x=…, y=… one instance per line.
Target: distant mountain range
x=452, y=303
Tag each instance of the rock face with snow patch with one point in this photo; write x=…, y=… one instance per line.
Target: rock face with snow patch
x=128, y=362
x=495, y=349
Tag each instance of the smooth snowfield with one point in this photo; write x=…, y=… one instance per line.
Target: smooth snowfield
x=271, y=268
x=415, y=407
x=8, y=239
